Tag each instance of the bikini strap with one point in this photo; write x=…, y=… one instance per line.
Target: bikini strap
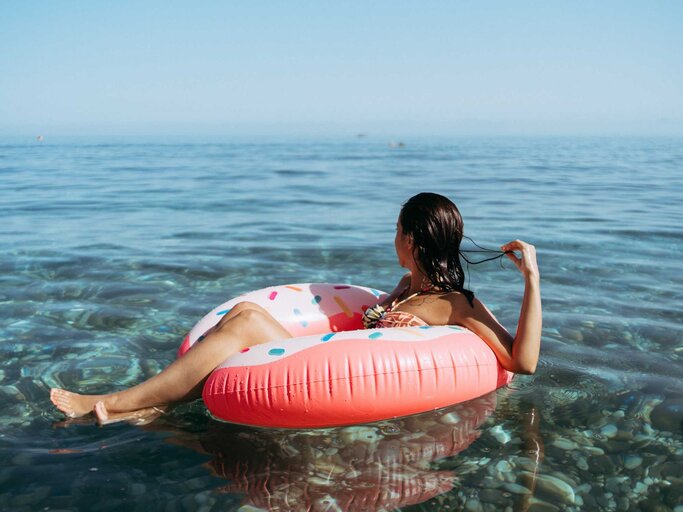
x=395, y=304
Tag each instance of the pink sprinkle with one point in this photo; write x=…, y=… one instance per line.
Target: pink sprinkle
x=341, y=287
x=272, y=295
x=246, y=349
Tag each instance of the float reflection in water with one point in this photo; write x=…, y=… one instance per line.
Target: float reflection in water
x=372, y=467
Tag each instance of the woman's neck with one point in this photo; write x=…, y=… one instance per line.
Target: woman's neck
x=418, y=281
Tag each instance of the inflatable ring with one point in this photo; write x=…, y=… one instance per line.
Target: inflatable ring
x=335, y=373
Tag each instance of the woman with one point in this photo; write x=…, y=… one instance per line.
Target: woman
x=428, y=235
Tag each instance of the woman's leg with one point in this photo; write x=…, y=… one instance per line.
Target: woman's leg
x=247, y=324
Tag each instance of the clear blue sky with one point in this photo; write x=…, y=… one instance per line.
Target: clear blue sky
x=449, y=67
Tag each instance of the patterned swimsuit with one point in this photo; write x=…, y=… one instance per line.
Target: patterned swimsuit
x=378, y=316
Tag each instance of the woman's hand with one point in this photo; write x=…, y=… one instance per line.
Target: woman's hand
x=527, y=264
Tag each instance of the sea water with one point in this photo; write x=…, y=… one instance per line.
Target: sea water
x=113, y=248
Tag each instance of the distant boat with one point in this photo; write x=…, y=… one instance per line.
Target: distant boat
x=393, y=144
x=40, y=138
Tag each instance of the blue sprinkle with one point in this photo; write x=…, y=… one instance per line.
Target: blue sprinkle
x=375, y=335
x=302, y=322
x=425, y=326
x=376, y=293
x=221, y=313
x=201, y=338
x=455, y=328
x=328, y=337
x=317, y=299
x=276, y=351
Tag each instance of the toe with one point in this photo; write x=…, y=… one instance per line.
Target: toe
x=101, y=412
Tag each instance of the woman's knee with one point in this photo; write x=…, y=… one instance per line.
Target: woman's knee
x=237, y=309
x=244, y=318
x=254, y=326
x=246, y=306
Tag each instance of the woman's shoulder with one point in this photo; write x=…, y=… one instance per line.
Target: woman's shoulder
x=460, y=298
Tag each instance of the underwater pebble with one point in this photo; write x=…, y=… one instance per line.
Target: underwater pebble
x=584, y=488
x=472, y=505
x=321, y=481
x=362, y=434
x=665, y=470
x=600, y=464
x=492, y=496
x=674, y=494
x=668, y=416
x=652, y=505
x=594, y=450
x=203, y=498
x=632, y=461
x=500, y=435
x=615, y=445
x=452, y=418
x=590, y=502
x=565, y=444
x=555, y=488
x=516, y=488
x=640, y=488
x=12, y=391
x=490, y=482
x=541, y=506
x=328, y=504
x=504, y=466
x=571, y=334
x=609, y=430
x=623, y=503
x=612, y=484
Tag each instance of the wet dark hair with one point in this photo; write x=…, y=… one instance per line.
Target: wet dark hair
x=435, y=225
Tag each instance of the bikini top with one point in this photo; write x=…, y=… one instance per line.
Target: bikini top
x=379, y=316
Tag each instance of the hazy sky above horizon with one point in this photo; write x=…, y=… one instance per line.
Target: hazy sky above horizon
x=447, y=67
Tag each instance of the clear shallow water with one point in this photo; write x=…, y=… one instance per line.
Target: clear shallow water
x=113, y=249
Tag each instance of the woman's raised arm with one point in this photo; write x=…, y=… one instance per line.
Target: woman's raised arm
x=518, y=354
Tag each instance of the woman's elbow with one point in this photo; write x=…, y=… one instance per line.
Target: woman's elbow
x=524, y=367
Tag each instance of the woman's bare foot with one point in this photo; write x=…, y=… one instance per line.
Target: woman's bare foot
x=73, y=405
x=139, y=417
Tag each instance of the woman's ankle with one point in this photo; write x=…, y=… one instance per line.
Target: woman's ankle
x=113, y=403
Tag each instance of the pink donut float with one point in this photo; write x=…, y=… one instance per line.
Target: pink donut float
x=334, y=372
